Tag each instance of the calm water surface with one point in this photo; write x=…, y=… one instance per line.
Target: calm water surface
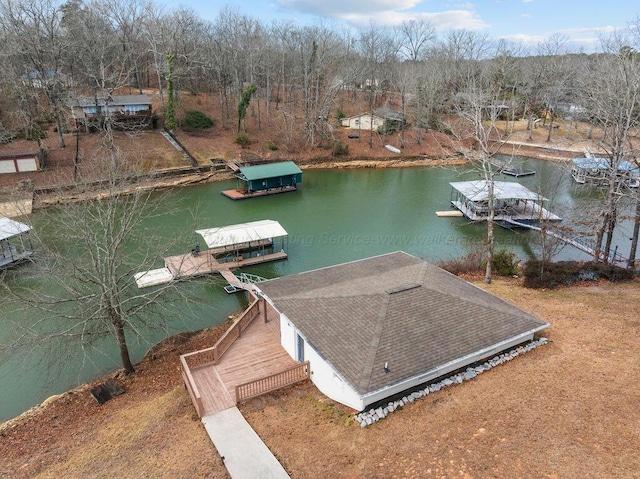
x=336, y=216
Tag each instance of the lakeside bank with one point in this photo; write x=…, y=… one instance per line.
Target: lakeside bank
x=189, y=176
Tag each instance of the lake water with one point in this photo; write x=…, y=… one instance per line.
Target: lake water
x=336, y=216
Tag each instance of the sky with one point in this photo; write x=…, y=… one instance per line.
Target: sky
x=581, y=22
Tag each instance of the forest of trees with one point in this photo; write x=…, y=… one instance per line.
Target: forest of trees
x=53, y=51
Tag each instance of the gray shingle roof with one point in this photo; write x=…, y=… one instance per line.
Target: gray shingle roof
x=116, y=100
x=394, y=309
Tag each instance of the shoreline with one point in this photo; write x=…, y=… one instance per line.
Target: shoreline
x=50, y=195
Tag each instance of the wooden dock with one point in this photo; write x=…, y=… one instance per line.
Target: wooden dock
x=239, y=195
x=205, y=262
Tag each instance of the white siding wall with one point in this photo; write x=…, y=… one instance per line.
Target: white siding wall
x=322, y=374
x=362, y=122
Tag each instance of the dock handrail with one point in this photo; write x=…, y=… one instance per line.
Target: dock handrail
x=235, y=331
x=258, y=387
x=575, y=241
x=250, y=278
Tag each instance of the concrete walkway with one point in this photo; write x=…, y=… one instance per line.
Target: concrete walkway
x=244, y=453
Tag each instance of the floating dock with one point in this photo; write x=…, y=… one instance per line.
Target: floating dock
x=153, y=277
x=516, y=172
x=449, y=214
x=241, y=195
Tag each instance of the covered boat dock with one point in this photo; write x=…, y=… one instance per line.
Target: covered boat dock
x=15, y=245
x=597, y=171
x=268, y=179
x=227, y=248
x=513, y=203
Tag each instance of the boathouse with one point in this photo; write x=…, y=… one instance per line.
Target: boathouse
x=270, y=178
x=227, y=248
x=374, y=328
x=15, y=245
x=597, y=171
x=513, y=203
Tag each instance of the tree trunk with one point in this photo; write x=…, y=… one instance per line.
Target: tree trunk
x=490, y=236
x=634, y=238
x=611, y=225
x=122, y=347
x=115, y=319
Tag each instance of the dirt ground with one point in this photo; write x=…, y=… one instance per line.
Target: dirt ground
x=149, y=151
x=568, y=409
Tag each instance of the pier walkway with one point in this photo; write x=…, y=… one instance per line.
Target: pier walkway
x=582, y=245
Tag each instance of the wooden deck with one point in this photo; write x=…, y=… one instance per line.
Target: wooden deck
x=239, y=195
x=256, y=354
x=187, y=265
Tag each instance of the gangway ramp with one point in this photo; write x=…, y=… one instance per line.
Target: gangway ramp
x=581, y=245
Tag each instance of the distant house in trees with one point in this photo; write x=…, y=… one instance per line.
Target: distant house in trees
x=384, y=118
x=45, y=79
x=126, y=111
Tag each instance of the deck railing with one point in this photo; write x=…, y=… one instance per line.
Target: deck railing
x=271, y=383
x=234, y=332
x=191, y=386
x=213, y=354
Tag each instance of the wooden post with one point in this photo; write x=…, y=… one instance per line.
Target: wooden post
x=263, y=306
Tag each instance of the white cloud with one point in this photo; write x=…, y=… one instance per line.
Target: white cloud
x=340, y=8
x=578, y=39
x=386, y=13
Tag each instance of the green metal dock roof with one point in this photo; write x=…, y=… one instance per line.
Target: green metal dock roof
x=270, y=170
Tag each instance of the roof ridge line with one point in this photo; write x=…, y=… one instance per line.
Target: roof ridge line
x=375, y=342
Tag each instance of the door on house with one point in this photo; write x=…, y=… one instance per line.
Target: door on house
x=300, y=348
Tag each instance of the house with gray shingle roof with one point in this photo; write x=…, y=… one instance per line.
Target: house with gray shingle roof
x=376, y=327
x=126, y=111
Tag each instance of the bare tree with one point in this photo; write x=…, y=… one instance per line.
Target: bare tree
x=89, y=270
x=377, y=49
x=415, y=36
x=613, y=99
x=36, y=51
